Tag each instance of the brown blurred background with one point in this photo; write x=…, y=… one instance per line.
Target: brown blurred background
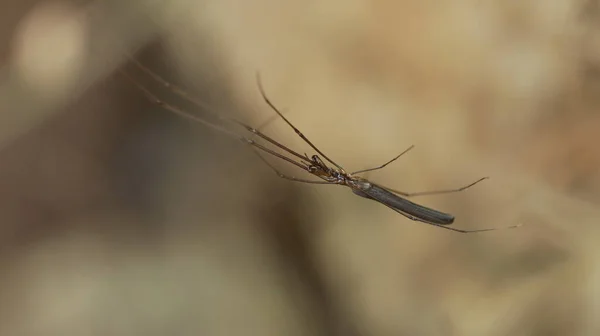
x=118, y=218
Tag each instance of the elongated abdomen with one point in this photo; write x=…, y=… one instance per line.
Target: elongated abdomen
x=403, y=205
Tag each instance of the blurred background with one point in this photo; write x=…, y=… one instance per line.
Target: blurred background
x=120, y=218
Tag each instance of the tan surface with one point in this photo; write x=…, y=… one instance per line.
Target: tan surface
x=118, y=220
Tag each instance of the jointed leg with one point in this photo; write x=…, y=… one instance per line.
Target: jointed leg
x=292, y=178
x=385, y=164
x=266, y=99
x=435, y=192
x=248, y=141
x=451, y=228
x=183, y=94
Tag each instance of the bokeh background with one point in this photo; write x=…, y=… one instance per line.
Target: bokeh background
x=119, y=218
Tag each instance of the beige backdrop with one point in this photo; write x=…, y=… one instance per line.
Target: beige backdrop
x=118, y=218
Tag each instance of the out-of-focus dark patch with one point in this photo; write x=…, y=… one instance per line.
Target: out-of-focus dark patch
x=287, y=219
x=59, y=170
x=161, y=141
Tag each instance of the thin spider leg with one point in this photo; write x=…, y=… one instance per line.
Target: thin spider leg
x=153, y=99
x=180, y=112
x=264, y=124
x=267, y=122
x=455, y=229
x=449, y=227
x=182, y=93
x=269, y=139
x=292, y=178
x=435, y=192
x=385, y=164
x=274, y=153
x=274, y=108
